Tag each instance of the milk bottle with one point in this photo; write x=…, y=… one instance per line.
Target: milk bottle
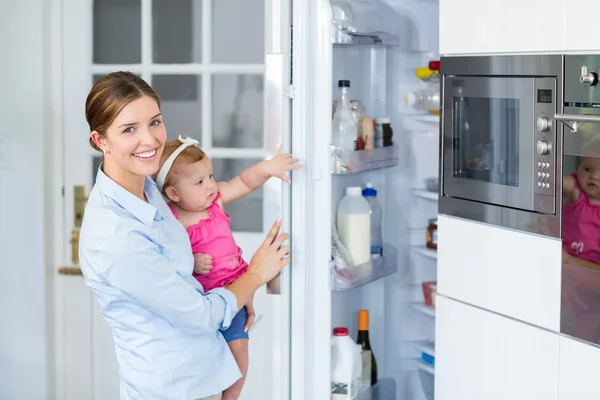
x=346, y=366
x=354, y=225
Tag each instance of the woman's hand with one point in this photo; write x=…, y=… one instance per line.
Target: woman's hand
x=280, y=164
x=202, y=263
x=270, y=258
x=251, y=315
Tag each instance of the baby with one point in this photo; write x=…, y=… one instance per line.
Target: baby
x=581, y=211
x=196, y=200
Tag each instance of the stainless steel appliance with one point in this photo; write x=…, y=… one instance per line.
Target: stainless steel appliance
x=499, y=140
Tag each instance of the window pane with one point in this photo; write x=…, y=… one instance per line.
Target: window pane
x=117, y=32
x=176, y=31
x=246, y=213
x=238, y=36
x=237, y=111
x=180, y=101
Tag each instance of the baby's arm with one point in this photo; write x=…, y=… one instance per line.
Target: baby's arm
x=570, y=191
x=202, y=263
x=254, y=177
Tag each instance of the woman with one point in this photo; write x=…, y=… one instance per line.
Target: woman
x=137, y=259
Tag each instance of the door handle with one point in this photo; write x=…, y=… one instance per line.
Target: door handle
x=575, y=121
x=278, y=93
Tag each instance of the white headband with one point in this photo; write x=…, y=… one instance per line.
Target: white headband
x=164, y=171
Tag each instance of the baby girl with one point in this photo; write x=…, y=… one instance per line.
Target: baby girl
x=186, y=179
x=581, y=211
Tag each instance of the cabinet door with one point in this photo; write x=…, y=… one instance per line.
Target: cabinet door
x=581, y=31
x=474, y=26
x=578, y=372
x=481, y=355
x=501, y=270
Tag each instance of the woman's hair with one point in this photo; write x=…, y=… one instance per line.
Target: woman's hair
x=189, y=155
x=108, y=97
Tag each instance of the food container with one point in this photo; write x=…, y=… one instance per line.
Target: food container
x=432, y=234
x=427, y=292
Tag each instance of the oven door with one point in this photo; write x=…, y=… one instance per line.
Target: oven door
x=489, y=138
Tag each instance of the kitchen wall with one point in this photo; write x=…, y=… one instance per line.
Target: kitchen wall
x=24, y=140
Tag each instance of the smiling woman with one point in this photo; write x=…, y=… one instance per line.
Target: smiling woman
x=137, y=258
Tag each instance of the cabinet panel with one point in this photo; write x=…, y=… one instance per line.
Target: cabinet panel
x=581, y=27
x=578, y=373
x=509, y=272
x=481, y=355
x=474, y=27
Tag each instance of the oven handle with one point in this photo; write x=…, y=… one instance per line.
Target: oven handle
x=575, y=121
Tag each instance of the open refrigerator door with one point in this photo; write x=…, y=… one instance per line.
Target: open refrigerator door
x=375, y=53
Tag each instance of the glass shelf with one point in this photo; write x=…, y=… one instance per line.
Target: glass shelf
x=428, y=118
x=385, y=389
x=425, y=309
x=344, y=277
x=425, y=252
x=344, y=161
x=426, y=194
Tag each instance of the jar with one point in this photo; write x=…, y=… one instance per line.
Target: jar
x=432, y=235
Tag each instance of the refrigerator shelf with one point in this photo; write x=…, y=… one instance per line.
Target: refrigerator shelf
x=425, y=309
x=425, y=252
x=426, y=194
x=384, y=389
x=344, y=277
x=345, y=161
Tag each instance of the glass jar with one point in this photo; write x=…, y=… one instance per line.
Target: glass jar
x=432, y=234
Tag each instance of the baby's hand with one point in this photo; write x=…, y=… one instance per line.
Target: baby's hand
x=202, y=263
x=280, y=163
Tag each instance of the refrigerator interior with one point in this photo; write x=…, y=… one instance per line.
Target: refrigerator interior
x=401, y=326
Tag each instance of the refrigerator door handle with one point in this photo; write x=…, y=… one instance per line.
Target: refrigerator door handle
x=277, y=124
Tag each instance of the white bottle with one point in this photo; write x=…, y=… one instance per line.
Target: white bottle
x=344, y=128
x=370, y=194
x=345, y=375
x=354, y=225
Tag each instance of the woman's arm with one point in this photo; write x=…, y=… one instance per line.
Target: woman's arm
x=254, y=177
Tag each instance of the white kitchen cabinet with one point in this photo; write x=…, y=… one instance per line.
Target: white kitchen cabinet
x=581, y=28
x=508, y=272
x=510, y=26
x=578, y=373
x=481, y=355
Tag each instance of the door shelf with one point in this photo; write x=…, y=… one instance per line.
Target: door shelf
x=345, y=161
x=344, y=277
x=423, y=366
x=425, y=309
x=385, y=389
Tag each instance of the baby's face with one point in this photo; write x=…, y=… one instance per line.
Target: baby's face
x=196, y=186
x=588, y=175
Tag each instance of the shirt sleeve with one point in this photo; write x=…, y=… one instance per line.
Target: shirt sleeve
x=145, y=275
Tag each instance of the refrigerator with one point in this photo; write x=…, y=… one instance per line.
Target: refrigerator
x=377, y=45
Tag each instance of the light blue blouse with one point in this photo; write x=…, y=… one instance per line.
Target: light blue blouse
x=137, y=259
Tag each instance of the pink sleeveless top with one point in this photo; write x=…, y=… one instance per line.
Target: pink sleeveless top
x=213, y=236
x=581, y=228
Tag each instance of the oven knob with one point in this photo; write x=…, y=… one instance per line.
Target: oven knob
x=542, y=124
x=588, y=78
x=543, y=148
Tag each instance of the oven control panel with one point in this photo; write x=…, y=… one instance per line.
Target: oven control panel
x=544, y=154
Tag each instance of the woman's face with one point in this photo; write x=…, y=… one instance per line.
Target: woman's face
x=136, y=138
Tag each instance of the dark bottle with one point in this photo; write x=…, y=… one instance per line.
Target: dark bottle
x=369, y=366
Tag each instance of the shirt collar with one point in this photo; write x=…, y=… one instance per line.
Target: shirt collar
x=146, y=212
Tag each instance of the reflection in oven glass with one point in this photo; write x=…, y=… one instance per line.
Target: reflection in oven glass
x=580, y=315
x=486, y=139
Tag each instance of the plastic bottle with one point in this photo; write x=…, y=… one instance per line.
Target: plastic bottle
x=344, y=128
x=427, y=99
x=354, y=225
x=370, y=194
x=345, y=365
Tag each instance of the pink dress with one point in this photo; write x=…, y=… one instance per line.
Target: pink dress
x=581, y=228
x=213, y=236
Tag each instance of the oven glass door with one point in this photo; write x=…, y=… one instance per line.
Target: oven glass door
x=488, y=136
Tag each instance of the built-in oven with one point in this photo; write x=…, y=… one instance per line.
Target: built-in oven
x=499, y=140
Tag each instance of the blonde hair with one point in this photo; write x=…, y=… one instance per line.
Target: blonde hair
x=189, y=155
x=110, y=95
